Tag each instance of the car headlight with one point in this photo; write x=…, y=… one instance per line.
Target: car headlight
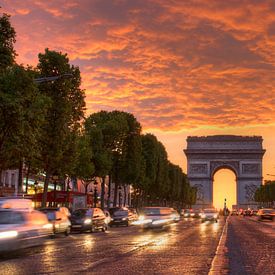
x=48, y=226
x=215, y=216
x=87, y=221
x=141, y=218
x=203, y=216
x=8, y=234
x=185, y=215
x=124, y=219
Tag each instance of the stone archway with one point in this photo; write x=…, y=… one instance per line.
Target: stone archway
x=241, y=154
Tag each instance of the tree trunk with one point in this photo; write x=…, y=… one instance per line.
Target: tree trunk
x=124, y=203
x=115, y=195
x=102, y=198
x=20, y=177
x=109, y=191
x=45, y=191
x=27, y=178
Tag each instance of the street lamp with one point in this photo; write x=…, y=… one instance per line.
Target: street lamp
x=95, y=193
x=35, y=192
x=52, y=78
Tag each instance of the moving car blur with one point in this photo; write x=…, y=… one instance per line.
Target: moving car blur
x=59, y=218
x=175, y=215
x=88, y=219
x=209, y=214
x=155, y=217
x=21, y=226
x=266, y=214
x=122, y=216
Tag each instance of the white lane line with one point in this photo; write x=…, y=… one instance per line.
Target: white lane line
x=220, y=262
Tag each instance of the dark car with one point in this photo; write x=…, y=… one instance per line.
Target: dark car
x=267, y=214
x=122, y=216
x=88, y=219
x=247, y=212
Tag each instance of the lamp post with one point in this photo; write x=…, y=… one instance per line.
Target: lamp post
x=55, y=179
x=52, y=78
x=95, y=194
x=224, y=207
x=35, y=192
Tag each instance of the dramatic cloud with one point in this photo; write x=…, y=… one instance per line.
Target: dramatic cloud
x=174, y=64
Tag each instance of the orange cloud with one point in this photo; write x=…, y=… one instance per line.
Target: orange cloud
x=174, y=64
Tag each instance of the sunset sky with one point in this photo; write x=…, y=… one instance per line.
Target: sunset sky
x=193, y=67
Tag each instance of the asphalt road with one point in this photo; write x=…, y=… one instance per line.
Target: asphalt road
x=187, y=247
x=251, y=246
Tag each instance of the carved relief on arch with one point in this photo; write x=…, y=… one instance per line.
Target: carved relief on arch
x=198, y=168
x=216, y=165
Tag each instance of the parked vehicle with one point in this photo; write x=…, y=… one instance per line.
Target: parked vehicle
x=266, y=214
x=123, y=216
x=88, y=219
x=59, y=218
x=209, y=214
x=155, y=217
x=21, y=226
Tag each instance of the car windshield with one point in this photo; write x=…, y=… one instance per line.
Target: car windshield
x=120, y=213
x=209, y=211
x=268, y=211
x=155, y=212
x=81, y=213
x=50, y=215
x=6, y=217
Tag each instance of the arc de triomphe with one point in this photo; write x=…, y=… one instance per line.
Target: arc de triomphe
x=241, y=154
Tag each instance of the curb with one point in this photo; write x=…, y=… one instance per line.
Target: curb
x=220, y=262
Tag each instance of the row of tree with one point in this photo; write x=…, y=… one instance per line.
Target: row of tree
x=265, y=194
x=42, y=125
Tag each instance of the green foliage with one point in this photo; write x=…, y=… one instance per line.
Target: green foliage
x=63, y=118
x=266, y=193
x=7, y=39
x=22, y=110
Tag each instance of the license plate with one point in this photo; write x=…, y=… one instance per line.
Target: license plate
x=76, y=226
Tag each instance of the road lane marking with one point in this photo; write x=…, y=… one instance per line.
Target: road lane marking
x=220, y=262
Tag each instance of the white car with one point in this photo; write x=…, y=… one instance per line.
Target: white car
x=209, y=214
x=21, y=226
x=155, y=217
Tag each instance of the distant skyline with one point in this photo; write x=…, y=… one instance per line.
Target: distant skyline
x=181, y=67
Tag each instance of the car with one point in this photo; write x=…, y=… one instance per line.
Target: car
x=247, y=212
x=266, y=214
x=197, y=213
x=59, y=218
x=234, y=212
x=175, y=215
x=108, y=216
x=88, y=219
x=188, y=213
x=21, y=226
x=155, y=217
x=122, y=216
x=209, y=214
